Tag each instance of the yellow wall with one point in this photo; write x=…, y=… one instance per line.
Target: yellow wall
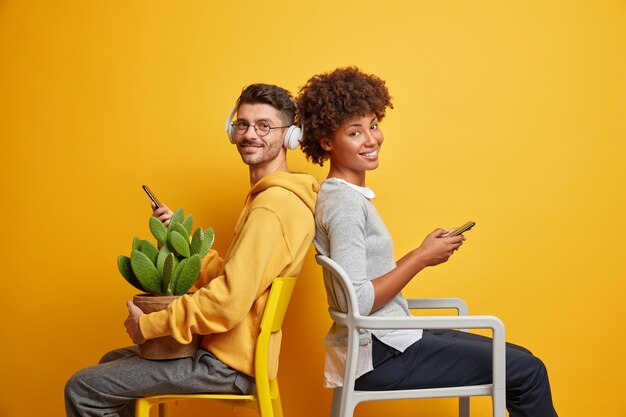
x=508, y=113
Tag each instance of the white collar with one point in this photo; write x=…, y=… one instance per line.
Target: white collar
x=366, y=192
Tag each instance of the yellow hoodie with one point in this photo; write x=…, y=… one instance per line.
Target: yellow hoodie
x=271, y=239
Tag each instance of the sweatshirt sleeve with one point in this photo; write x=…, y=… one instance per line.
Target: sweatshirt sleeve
x=211, y=266
x=258, y=255
x=344, y=219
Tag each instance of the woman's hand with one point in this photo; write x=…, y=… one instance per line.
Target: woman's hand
x=438, y=247
x=162, y=213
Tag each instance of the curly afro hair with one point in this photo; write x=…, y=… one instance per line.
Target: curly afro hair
x=328, y=100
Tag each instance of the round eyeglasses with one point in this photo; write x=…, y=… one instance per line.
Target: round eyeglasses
x=262, y=127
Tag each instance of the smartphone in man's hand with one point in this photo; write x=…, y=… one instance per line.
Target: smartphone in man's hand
x=152, y=197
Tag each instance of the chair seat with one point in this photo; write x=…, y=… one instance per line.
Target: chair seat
x=177, y=397
x=144, y=405
x=447, y=392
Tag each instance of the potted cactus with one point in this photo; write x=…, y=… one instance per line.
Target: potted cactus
x=164, y=271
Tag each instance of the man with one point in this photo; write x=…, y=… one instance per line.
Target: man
x=272, y=236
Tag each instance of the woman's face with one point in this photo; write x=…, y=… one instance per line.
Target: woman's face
x=354, y=147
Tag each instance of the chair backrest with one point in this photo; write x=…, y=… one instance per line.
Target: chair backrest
x=345, y=312
x=271, y=323
x=345, y=301
x=277, y=303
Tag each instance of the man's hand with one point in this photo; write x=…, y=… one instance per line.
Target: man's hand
x=163, y=213
x=132, y=323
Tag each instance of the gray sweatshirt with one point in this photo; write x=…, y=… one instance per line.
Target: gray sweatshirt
x=351, y=233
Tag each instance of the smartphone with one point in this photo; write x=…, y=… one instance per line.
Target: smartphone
x=463, y=228
x=152, y=197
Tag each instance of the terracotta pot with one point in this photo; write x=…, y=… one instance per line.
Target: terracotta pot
x=162, y=347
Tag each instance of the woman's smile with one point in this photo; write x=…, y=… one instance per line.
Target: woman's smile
x=371, y=155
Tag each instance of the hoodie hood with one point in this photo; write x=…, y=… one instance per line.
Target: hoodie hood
x=305, y=186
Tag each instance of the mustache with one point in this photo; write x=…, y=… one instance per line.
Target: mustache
x=250, y=142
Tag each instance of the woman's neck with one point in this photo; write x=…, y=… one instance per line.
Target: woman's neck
x=356, y=178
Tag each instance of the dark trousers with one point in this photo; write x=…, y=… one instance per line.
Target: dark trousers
x=453, y=358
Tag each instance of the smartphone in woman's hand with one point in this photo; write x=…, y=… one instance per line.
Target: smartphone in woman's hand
x=459, y=230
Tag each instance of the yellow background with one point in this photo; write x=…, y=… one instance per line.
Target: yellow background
x=511, y=114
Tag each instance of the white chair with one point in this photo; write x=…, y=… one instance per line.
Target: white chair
x=346, y=398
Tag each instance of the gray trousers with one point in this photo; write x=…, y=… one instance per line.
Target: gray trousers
x=111, y=387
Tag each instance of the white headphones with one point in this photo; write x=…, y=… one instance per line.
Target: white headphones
x=292, y=136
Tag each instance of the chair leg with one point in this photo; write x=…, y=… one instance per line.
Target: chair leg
x=277, y=406
x=464, y=407
x=164, y=410
x=142, y=408
x=335, y=407
x=499, y=404
x=339, y=407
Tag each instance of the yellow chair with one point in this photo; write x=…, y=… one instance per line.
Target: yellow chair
x=266, y=400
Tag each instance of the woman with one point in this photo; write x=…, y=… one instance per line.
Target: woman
x=341, y=111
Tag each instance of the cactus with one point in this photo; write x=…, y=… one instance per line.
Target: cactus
x=172, y=265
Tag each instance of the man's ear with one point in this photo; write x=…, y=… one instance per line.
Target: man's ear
x=325, y=144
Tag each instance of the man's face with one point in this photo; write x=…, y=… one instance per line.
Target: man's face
x=258, y=149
